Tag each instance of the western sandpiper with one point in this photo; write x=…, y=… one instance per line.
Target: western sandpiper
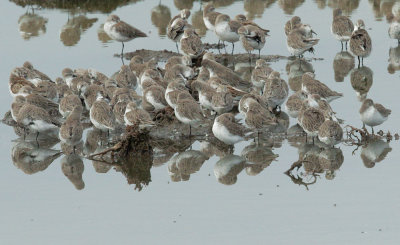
x=120, y=107
x=373, y=114
x=258, y=117
x=245, y=22
x=68, y=103
x=188, y=112
x=16, y=83
x=311, y=120
x=125, y=78
x=276, y=90
x=137, y=116
x=312, y=86
x=155, y=96
x=71, y=130
x=89, y=93
x=342, y=27
x=247, y=98
x=121, y=31
x=183, y=60
x=330, y=133
x=138, y=65
x=227, y=75
x=37, y=119
x=293, y=104
x=228, y=130
x=47, y=89
x=360, y=42
x=260, y=74
x=292, y=24
x=101, y=114
x=17, y=104
x=252, y=38
x=179, y=71
x=210, y=16
x=298, y=42
x=227, y=29
x=191, y=44
x=172, y=96
x=40, y=101
x=177, y=26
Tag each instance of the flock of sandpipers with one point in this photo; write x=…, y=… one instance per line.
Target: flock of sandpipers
x=199, y=96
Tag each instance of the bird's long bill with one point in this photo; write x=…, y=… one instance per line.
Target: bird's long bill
x=313, y=32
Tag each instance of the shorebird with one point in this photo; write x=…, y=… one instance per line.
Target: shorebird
x=37, y=119
x=137, y=116
x=48, y=90
x=342, y=27
x=298, y=42
x=179, y=71
x=16, y=83
x=360, y=42
x=247, y=98
x=40, y=101
x=260, y=74
x=258, y=117
x=17, y=104
x=120, y=107
x=191, y=44
x=293, y=104
x=89, y=93
x=252, y=37
x=71, y=130
x=227, y=29
x=121, y=31
x=182, y=60
x=228, y=130
x=373, y=114
x=210, y=16
x=311, y=120
x=224, y=73
x=138, y=65
x=188, y=112
x=275, y=90
x=177, y=26
x=125, y=78
x=295, y=23
x=68, y=103
x=245, y=22
x=155, y=96
x=330, y=133
x=312, y=86
x=314, y=100
x=101, y=114
x=72, y=166
x=172, y=96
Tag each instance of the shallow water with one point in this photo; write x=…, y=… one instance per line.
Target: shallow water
x=360, y=205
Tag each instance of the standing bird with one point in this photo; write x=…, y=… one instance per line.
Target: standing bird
x=188, y=112
x=177, y=26
x=276, y=90
x=298, y=42
x=227, y=29
x=101, y=114
x=342, y=27
x=228, y=130
x=191, y=44
x=360, y=42
x=330, y=133
x=295, y=23
x=209, y=16
x=71, y=130
x=121, y=31
x=373, y=114
x=260, y=74
x=252, y=37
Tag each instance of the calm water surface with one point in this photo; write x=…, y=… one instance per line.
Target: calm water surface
x=357, y=203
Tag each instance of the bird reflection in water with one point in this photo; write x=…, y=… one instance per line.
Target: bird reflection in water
x=295, y=70
x=361, y=81
x=343, y=63
x=394, y=60
x=375, y=151
x=289, y=6
x=72, y=167
x=31, y=25
x=160, y=17
x=71, y=32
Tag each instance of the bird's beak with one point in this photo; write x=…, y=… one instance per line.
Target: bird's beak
x=313, y=32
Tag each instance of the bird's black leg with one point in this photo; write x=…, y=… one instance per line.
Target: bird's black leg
x=342, y=45
x=259, y=53
x=177, y=48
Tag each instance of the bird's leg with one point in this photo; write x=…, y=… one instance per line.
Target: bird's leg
x=219, y=43
x=74, y=148
x=190, y=130
x=358, y=57
x=122, y=51
x=177, y=48
x=372, y=129
x=346, y=45
x=223, y=43
x=362, y=61
x=259, y=53
x=313, y=140
x=342, y=44
x=37, y=136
